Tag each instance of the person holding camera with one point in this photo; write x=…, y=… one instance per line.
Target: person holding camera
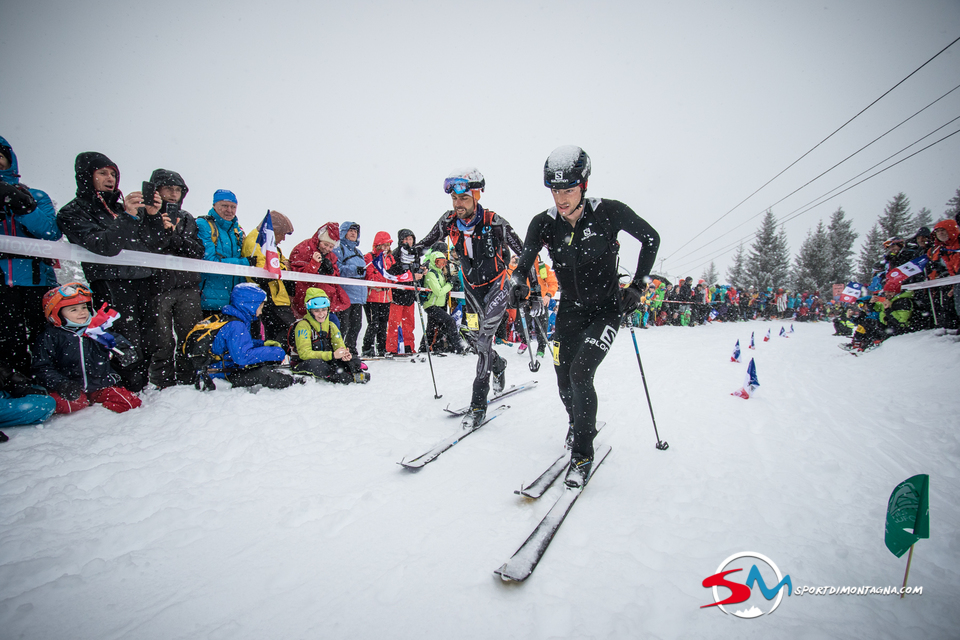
x=104, y=221
x=352, y=265
x=177, y=297
x=408, y=270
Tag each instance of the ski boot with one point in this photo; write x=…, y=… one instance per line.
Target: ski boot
x=579, y=471
x=540, y=354
x=500, y=378
x=473, y=418
x=568, y=442
x=522, y=348
x=361, y=377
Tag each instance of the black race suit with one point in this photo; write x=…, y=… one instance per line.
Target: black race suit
x=480, y=248
x=585, y=257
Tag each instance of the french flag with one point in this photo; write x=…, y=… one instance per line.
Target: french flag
x=97, y=329
x=851, y=292
x=378, y=265
x=783, y=333
x=766, y=338
x=736, y=353
x=750, y=383
x=268, y=244
x=751, y=341
x=908, y=269
x=401, y=349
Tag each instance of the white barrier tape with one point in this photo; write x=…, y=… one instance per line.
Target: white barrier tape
x=65, y=251
x=929, y=284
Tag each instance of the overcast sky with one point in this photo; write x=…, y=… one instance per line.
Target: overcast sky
x=357, y=111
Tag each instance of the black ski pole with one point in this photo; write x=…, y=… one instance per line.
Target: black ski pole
x=534, y=364
x=423, y=325
x=661, y=444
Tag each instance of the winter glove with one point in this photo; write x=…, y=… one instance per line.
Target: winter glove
x=631, y=298
x=16, y=198
x=125, y=354
x=70, y=390
x=361, y=271
x=517, y=291
x=271, y=343
x=536, y=305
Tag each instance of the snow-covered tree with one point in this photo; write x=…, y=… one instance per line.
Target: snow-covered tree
x=710, y=275
x=840, y=236
x=896, y=221
x=870, y=254
x=768, y=263
x=924, y=218
x=953, y=207
x=736, y=275
x=812, y=265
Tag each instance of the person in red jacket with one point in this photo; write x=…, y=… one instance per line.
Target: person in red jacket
x=379, y=261
x=945, y=256
x=315, y=255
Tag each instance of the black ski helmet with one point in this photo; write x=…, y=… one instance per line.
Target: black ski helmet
x=566, y=167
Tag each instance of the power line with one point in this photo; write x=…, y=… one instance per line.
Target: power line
x=809, y=182
x=814, y=147
x=827, y=196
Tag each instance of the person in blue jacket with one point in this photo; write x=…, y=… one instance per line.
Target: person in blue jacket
x=22, y=403
x=245, y=362
x=352, y=265
x=222, y=239
x=26, y=213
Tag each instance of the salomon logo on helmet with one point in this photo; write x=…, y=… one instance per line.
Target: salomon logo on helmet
x=566, y=167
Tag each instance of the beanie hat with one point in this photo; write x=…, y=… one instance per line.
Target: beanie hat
x=281, y=224
x=224, y=194
x=330, y=232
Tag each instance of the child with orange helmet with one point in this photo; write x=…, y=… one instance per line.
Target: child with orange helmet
x=74, y=357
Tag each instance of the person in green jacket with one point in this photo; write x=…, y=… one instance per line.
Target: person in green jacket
x=319, y=348
x=440, y=326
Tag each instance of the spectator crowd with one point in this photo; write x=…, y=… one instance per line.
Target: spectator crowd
x=66, y=345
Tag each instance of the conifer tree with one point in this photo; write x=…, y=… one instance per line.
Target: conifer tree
x=840, y=237
x=896, y=221
x=736, y=275
x=953, y=207
x=924, y=218
x=710, y=275
x=768, y=263
x=870, y=254
x=812, y=264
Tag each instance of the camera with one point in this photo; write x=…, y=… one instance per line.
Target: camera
x=148, y=192
x=361, y=271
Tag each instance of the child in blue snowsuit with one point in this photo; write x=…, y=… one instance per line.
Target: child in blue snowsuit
x=245, y=361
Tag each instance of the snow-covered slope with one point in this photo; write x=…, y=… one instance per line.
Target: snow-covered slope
x=285, y=515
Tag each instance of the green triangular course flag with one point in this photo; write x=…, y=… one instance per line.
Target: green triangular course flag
x=908, y=514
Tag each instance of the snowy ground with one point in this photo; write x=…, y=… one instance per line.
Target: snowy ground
x=285, y=515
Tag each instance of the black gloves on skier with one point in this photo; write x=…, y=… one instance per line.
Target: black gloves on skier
x=517, y=291
x=16, y=198
x=631, y=298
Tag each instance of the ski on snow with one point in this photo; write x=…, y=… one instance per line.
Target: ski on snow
x=443, y=445
x=522, y=563
x=509, y=391
x=539, y=486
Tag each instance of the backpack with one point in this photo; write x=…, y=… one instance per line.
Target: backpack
x=198, y=345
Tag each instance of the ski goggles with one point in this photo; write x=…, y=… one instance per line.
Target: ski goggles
x=73, y=290
x=458, y=186
x=320, y=302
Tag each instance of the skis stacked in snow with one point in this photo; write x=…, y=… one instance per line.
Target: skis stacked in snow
x=509, y=391
x=519, y=567
x=434, y=452
x=538, y=487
